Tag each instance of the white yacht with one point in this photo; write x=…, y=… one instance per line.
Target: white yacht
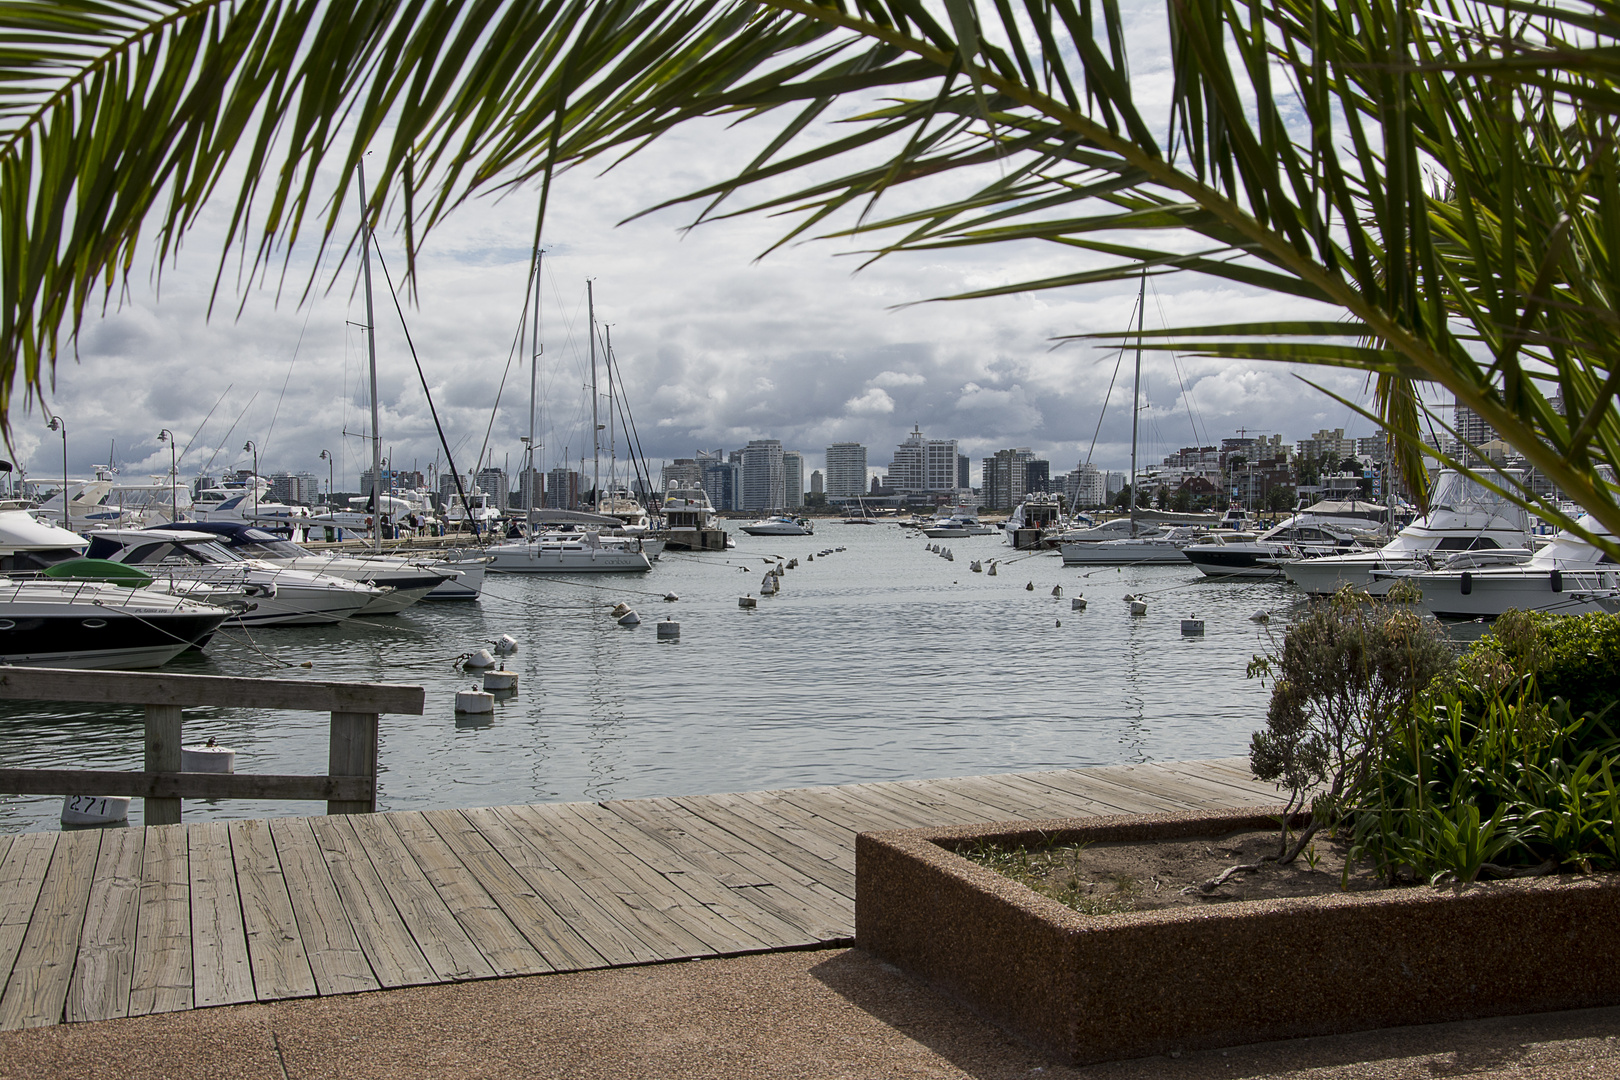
x=690, y=520
x=1150, y=547
x=1465, y=516
x=1568, y=576
x=780, y=525
x=956, y=526
x=1302, y=536
x=45, y=622
x=582, y=551
x=273, y=595
x=247, y=501
x=404, y=581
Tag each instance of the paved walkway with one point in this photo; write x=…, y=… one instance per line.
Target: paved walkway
x=115, y=923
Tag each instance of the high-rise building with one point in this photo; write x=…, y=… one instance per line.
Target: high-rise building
x=1037, y=475
x=1328, y=443
x=923, y=465
x=297, y=489
x=531, y=492
x=817, y=486
x=964, y=472
x=684, y=471
x=1006, y=478
x=792, y=479
x=1087, y=486
x=562, y=488
x=762, y=476
x=846, y=470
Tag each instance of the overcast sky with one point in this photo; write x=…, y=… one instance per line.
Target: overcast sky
x=716, y=348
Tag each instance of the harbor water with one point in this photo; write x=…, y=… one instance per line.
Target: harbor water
x=883, y=661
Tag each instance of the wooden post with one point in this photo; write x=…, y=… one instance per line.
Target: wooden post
x=353, y=753
x=163, y=755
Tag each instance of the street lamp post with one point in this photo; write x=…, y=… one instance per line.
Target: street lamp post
x=167, y=436
x=249, y=445
x=57, y=423
x=326, y=456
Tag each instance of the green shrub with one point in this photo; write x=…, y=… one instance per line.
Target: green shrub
x=1574, y=657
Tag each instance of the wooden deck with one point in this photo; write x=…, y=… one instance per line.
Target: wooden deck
x=123, y=922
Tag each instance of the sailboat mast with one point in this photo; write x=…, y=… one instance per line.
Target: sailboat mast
x=371, y=348
x=596, y=427
x=613, y=432
x=1136, y=392
x=534, y=365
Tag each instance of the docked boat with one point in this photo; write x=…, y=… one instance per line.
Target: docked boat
x=1568, y=576
x=1153, y=547
x=29, y=545
x=690, y=521
x=957, y=526
x=196, y=561
x=46, y=622
x=1302, y=536
x=404, y=581
x=780, y=525
x=1035, y=523
x=1465, y=516
x=580, y=551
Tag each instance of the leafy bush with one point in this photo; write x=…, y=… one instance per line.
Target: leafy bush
x=1574, y=657
x=1347, y=673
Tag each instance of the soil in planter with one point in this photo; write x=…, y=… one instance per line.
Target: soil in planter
x=1110, y=878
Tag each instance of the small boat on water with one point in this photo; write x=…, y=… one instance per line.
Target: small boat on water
x=585, y=551
x=1035, y=522
x=1302, y=536
x=780, y=525
x=691, y=523
x=1151, y=547
x=67, y=623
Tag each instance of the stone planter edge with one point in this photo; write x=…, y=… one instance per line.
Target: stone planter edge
x=1097, y=988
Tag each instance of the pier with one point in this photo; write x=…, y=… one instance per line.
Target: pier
x=120, y=922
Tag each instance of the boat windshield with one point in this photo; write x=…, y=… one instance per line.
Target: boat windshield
x=182, y=553
x=263, y=544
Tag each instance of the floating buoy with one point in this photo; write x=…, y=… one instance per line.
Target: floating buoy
x=992, y=571
x=1030, y=587
x=1128, y=598
x=1059, y=622
x=479, y=660
x=1260, y=616
x=209, y=757
x=94, y=809
x=838, y=549
x=976, y=567
x=1057, y=590
x=1138, y=608
x=307, y=663
x=474, y=701
x=1077, y=604
x=630, y=618
x=949, y=557
x=620, y=608
x=668, y=629
x=747, y=602
x=500, y=680
x=505, y=645
x=809, y=558
x=670, y=598
x=1192, y=627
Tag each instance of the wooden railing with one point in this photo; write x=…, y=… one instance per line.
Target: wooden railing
x=350, y=787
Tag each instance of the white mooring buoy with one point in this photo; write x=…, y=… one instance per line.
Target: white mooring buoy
x=747, y=602
x=1057, y=590
x=1077, y=604
x=94, y=809
x=1260, y=616
x=1138, y=608
x=209, y=757
x=474, y=701
x=670, y=598
x=630, y=618
x=1192, y=627
x=668, y=630
x=479, y=660
x=500, y=680
x=505, y=645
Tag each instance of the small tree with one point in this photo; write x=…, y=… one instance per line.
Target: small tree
x=1346, y=675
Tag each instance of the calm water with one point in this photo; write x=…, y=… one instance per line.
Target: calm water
x=880, y=662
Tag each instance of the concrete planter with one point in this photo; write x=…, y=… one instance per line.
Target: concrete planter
x=1096, y=988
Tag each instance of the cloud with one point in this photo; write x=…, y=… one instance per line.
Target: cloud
x=897, y=378
x=874, y=400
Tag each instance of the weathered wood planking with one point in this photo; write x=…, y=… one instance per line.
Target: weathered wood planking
x=128, y=921
x=149, y=688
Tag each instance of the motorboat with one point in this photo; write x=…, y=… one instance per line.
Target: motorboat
x=1302, y=536
x=1465, y=515
x=29, y=545
x=1035, y=523
x=780, y=525
x=957, y=526
x=405, y=581
x=1153, y=547
x=1569, y=576
x=1116, y=529
x=273, y=595
x=578, y=551
x=95, y=624
x=249, y=501
x=690, y=521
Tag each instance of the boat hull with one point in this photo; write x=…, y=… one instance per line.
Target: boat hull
x=1108, y=554
x=1489, y=593
x=543, y=559
x=122, y=640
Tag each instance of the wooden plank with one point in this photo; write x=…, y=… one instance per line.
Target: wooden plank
x=147, y=688
x=37, y=990
x=856, y=814
x=719, y=915
x=1199, y=794
x=5, y=847
x=352, y=751
x=518, y=897
x=220, y=971
x=105, y=966
x=162, y=978
x=828, y=840
x=791, y=895
x=594, y=867
x=275, y=951
x=22, y=875
x=1239, y=787
x=443, y=943
x=1127, y=798
x=940, y=793
x=595, y=916
x=1040, y=800
x=501, y=943
x=762, y=829
x=902, y=801
x=163, y=723
x=333, y=914
x=184, y=785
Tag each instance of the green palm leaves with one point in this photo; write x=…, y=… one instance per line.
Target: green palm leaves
x=1439, y=176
